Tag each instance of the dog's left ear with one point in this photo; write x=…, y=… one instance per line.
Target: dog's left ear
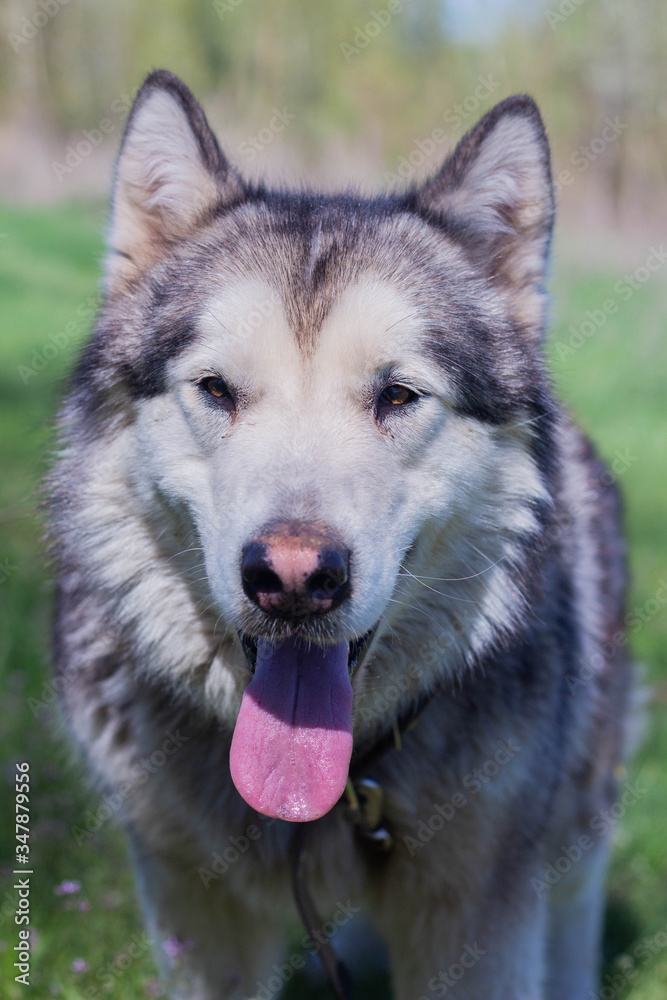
x=495, y=193
x=170, y=176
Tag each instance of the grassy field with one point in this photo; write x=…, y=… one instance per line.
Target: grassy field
x=611, y=371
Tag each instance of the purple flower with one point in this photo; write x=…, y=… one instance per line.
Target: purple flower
x=79, y=965
x=83, y=905
x=174, y=948
x=67, y=887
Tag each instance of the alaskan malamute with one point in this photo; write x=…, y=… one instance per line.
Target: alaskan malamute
x=340, y=585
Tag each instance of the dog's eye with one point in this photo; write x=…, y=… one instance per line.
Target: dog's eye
x=218, y=390
x=395, y=396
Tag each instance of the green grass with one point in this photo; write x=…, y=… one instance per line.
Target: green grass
x=614, y=381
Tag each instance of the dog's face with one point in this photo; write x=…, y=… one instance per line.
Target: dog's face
x=325, y=408
x=332, y=393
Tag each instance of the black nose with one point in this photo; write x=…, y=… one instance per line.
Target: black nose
x=295, y=570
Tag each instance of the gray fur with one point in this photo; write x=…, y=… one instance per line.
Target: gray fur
x=485, y=537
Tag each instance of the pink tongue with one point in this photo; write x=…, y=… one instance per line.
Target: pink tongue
x=293, y=738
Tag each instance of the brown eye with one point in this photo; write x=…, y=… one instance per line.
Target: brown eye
x=218, y=389
x=396, y=395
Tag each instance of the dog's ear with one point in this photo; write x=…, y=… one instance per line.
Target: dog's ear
x=495, y=193
x=170, y=174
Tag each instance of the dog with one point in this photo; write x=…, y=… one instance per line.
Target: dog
x=340, y=584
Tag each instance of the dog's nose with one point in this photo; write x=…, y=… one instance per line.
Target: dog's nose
x=295, y=570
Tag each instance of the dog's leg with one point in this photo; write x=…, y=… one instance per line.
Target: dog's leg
x=208, y=944
x=576, y=912
x=495, y=956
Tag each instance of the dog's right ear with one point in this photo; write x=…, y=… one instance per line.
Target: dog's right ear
x=170, y=174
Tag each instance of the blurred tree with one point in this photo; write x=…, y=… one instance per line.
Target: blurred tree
x=378, y=73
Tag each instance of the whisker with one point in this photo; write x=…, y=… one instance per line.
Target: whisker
x=403, y=319
x=533, y=420
x=451, y=597
x=453, y=579
x=215, y=318
x=484, y=556
x=412, y=607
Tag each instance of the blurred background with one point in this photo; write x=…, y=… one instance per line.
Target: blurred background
x=373, y=94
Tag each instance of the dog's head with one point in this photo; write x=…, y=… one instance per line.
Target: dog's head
x=337, y=401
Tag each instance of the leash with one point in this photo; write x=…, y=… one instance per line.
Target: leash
x=335, y=970
x=365, y=810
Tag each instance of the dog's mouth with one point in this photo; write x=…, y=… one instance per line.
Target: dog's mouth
x=292, y=743
x=357, y=649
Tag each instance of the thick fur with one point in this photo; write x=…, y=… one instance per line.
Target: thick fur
x=485, y=545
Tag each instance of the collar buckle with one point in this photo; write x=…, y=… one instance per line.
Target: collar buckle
x=366, y=801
